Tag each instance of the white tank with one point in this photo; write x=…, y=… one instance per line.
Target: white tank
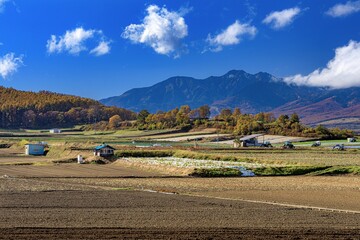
x=80, y=159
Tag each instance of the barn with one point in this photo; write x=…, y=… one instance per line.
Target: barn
x=35, y=149
x=104, y=150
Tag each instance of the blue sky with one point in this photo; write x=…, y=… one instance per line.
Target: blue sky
x=102, y=48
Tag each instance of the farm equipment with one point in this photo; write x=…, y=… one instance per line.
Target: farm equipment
x=339, y=147
x=316, y=144
x=288, y=145
x=266, y=144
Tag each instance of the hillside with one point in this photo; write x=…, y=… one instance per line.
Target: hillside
x=46, y=109
x=252, y=93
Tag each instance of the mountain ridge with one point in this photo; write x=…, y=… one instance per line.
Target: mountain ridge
x=252, y=93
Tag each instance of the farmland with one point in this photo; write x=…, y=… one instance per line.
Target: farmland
x=145, y=191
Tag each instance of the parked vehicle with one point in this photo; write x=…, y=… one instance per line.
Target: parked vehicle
x=316, y=144
x=339, y=147
x=288, y=145
x=266, y=144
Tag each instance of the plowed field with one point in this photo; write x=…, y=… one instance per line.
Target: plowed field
x=71, y=201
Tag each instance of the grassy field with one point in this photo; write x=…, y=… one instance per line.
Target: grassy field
x=144, y=148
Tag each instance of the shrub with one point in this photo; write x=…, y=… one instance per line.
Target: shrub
x=288, y=170
x=144, y=153
x=339, y=170
x=216, y=172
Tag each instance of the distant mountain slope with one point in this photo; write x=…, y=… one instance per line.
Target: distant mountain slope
x=252, y=93
x=331, y=104
x=47, y=109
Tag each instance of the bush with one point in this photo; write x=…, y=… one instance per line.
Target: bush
x=339, y=170
x=144, y=153
x=288, y=170
x=216, y=172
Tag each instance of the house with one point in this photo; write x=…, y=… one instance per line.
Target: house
x=35, y=149
x=104, y=150
x=55, y=130
x=249, y=141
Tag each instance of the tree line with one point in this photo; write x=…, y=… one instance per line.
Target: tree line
x=23, y=109
x=235, y=122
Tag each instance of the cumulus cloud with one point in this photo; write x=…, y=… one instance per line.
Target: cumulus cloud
x=9, y=64
x=281, y=19
x=161, y=29
x=340, y=10
x=232, y=35
x=75, y=41
x=343, y=71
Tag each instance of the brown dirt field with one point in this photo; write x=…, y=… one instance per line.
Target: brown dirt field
x=15, y=156
x=327, y=192
x=73, y=170
x=71, y=201
x=119, y=214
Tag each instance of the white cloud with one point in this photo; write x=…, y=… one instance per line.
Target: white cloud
x=75, y=41
x=342, y=71
x=9, y=64
x=161, y=29
x=340, y=10
x=102, y=49
x=2, y=5
x=280, y=19
x=232, y=35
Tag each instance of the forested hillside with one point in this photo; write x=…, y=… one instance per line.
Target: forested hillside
x=235, y=122
x=21, y=109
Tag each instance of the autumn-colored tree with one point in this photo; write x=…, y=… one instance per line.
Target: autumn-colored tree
x=294, y=118
x=143, y=114
x=114, y=122
x=182, y=117
x=236, y=113
x=204, y=111
x=47, y=109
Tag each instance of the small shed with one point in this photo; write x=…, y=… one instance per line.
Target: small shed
x=104, y=150
x=35, y=149
x=55, y=130
x=249, y=141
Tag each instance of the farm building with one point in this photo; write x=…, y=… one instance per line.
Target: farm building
x=55, y=130
x=35, y=149
x=104, y=150
x=249, y=141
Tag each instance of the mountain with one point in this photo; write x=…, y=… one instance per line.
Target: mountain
x=23, y=109
x=252, y=93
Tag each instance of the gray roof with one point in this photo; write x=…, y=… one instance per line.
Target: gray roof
x=251, y=136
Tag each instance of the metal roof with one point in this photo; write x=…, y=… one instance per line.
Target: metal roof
x=103, y=146
x=251, y=136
